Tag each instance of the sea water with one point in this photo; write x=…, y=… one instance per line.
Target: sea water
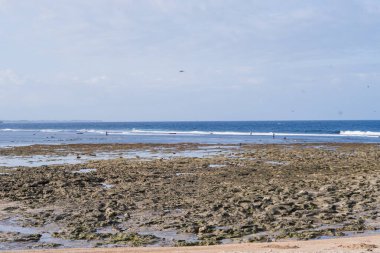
x=223, y=132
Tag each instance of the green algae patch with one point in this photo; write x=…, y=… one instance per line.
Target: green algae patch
x=130, y=239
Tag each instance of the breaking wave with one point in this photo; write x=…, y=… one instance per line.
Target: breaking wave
x=360, y=133
x=196, y=133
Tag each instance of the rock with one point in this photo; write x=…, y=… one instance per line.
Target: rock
x=28, y=238
x=258, y=238
x=327, y=188
x=205, y=229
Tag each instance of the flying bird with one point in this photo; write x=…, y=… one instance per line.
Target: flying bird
x=181, y=71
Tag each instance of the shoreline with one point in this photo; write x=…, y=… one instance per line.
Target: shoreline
x=356, y=244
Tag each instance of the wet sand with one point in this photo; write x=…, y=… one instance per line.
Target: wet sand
x=252, y=193
x=358, y=244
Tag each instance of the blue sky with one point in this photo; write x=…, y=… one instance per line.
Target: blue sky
x=119, y=60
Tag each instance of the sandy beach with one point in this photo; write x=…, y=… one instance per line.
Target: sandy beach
x=286, y=195
x=357, y=244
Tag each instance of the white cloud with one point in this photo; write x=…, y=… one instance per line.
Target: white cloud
x=367, y=76
x=70, y=79
x=96, y=79
x=9, y=78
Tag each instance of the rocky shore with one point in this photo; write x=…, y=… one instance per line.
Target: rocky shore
x=254, y=193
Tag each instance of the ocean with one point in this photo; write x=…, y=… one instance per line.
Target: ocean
x=217, y=132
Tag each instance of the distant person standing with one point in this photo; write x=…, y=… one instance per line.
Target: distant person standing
x=274, y=135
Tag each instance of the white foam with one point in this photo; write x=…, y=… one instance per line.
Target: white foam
x=360, y=133
x=161, y=132
x=51, y=130
x=10, y=130
x=197, y=133
x=154, y=132
x=32, y=130
x=92, y=131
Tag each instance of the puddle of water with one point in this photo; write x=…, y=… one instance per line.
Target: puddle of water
x=39, y=160
x=327, y=148
x=81, y=171
x=11, y=225
x=107, y=186
x=48, y=238
x=217, y=165
x=249, y=158
x=106, y=230
x=171, y=235
x=351, y=234
x=220, y=147
x=183, y=174
x=226, y=241
x=275, y=163
x=221, y=228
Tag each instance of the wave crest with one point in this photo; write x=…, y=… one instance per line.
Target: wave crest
x=360, y=133
x=346, y=133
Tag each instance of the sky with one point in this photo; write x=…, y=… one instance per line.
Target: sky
x=169, y=60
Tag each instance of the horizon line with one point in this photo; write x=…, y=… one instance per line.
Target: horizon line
x=163, y=121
